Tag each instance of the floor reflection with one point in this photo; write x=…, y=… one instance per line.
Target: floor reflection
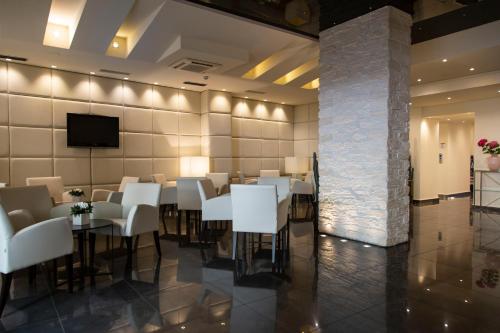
x=445, y=279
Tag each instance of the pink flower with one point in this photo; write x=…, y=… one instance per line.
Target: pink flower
x=482, y=142
x=493, y=144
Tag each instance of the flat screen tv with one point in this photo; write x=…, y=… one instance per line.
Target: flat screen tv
x=86, y=130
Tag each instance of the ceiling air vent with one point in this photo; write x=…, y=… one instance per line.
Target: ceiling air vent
x=10, y=58
x=195, y=83
x=255, y=92
x=193, y=65
x=110, y=71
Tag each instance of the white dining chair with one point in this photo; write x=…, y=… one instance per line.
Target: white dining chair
x=269, y=173
x=55, y=186
x=282, y=183
x=189, y=202
x=220, y=180
x=113, y=196
x=302, y=188
x=137, y=214
x=24, y=243
x=168, y=197
x=257, y=209
x=213, y=207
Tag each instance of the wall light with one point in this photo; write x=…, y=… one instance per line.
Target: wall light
x=194, y=166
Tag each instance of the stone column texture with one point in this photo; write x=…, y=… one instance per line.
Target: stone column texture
x=363, y=128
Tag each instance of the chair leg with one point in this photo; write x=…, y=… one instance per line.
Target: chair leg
x=32, y=275
x=6, y=282
x=235, y=242
x=69, y=271
x=201, y=234
x=136, y=245
x=92, y=237
x=274, y=249
x=128, y=242
x=188, y=227
x=156, y=235
x=179, y=220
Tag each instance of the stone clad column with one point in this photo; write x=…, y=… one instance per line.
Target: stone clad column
x=363, y=127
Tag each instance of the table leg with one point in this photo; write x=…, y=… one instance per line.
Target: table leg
x=92, y=237
x=81, y=252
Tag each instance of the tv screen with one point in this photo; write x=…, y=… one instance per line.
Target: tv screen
x=86, y=130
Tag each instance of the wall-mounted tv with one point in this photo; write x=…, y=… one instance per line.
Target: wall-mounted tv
x=85, y=130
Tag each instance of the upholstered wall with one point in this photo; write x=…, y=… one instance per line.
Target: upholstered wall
x=305, y=124
x=158, y=124
x=262, y=135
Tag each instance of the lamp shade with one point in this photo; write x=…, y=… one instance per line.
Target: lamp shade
x=296, y=164
x=194, y=166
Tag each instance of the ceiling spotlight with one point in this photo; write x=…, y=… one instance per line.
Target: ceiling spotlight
x=223, y=323
x=265, y=100
x=156, y=83
x=466, y=300
x=498, y=91
x=343, y=240
x=224, y=89
x=125, y=78
x=444, y=60
x=115, y=45
x=56, y=33
x=472, y=69
x=448, y=119
x=409, y=103
x=461, y=280
x=419, y=80
x=282, y=102
x=183, y=87
x=408, y=310
x=322, y=235
x=92, y=73
x=448, y=98
x=246, y=97
x=53, y=66
x=427, y=289
x=366, y=245
x=445, y=325
x=9, y=59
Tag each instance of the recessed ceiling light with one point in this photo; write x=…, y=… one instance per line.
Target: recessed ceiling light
x=246, y=97
x=56, y=33
x=427, y=289
x=282, y=102
x=223, y=89
x=444, y=60
x=125, y=78
x=92, y=73
x=116, y=45
x=223, y=323
x=408, y=310
x=322, y=235
x=183, y=327
x=53, y=66
x=445, y=325
x=9, y=59
x=466, y=300
x=367, y=245
x=265, y=100
x=183, y=87
x=448, y=119
x=409, y=103
x=448, y=98
x=419, y=80
x=156, y=83
x=472, y=69
x=343, y=240
x=498, y=91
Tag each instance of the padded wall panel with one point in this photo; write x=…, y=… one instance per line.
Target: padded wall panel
x=222, y=165
x=137, y=94
x=282, y=113
x=111, y=187
x=270, y=164
x=282, y=166
x=138, y=145
x=22, y=168
x=236, y=123
x=204, y=124
x=250, y=166
x=301, y=113
x=189, y=124
x=165, y=98
x=29, y=80
x=313, y=130
x=106, y=90
x=30, y=111
x=313, y=112
x=313, y=147
x=270, y=148
x=74, y=171
x=30, y=142
x=286, y=148
x=62, y=150
x=70, y=85
x=189, y=145
x=300, y=131
x=263, y=111
x=219, y=124
x=235, y=143
x=301, y=148
x=4, y=109
x=61, y=108
x=165, y=145
x=167, y=166
x=108, y=110
x=270, y=129
x=244, y=108
x=137, y=120
x=165, y=122
x=4, y=141
x=189, y=101
x=138, y=167
x=285, y=131
x=220, y=146
x=107, y=170
x=109, y=152
x=205, y=146
x=4, y=170
x=251, y=128
x=219, y=101
x=3, y=76
x=250, y=148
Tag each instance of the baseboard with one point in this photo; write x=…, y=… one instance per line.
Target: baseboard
x=454, y=195
x=426, y=202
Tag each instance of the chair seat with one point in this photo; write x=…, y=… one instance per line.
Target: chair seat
x=218, y=208
x=301, y=187
x=119, y=226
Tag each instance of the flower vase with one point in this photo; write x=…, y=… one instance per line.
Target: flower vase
x=494, y=162
x=81, y=219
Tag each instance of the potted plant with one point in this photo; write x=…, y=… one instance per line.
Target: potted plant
x=493, y=149
x=77, y=194
x=81, y=212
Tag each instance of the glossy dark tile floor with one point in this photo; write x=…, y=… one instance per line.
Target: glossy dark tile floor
x=446, y=279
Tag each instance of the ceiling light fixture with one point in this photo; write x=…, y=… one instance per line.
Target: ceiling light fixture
x=367, y=245
x=343, y=240
x=444, y=60
x=448, y=98
x=265, y=100
x=183, y=87
x=116, y=45
x=92, y=73
x=125, y=78
x=448, y=119
x=156, y=83
x=322, y=235
x=53, y=66
x=56, y=33
x=419, y=80
x=472, y=69
x=9, y=59
x=282, y=102
x=408, y=310
x=409, y=103
x=224, y=89
x=246, y=97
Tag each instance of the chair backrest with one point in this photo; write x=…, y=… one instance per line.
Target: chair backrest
x=309, y=177
x=140, y=194
x=54, y=184
x=206, y=189
x=282, y=183
x=158, y=178
x=188, y=195
x=255, y=208
x=269, y=173
x=219, y=179
x=35, y=199
x=126, y=180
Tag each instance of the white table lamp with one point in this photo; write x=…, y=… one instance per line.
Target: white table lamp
x=194, y=166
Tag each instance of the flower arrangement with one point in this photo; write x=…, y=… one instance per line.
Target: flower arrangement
x=81, y=208
x=76, y=192
x=491, y=147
